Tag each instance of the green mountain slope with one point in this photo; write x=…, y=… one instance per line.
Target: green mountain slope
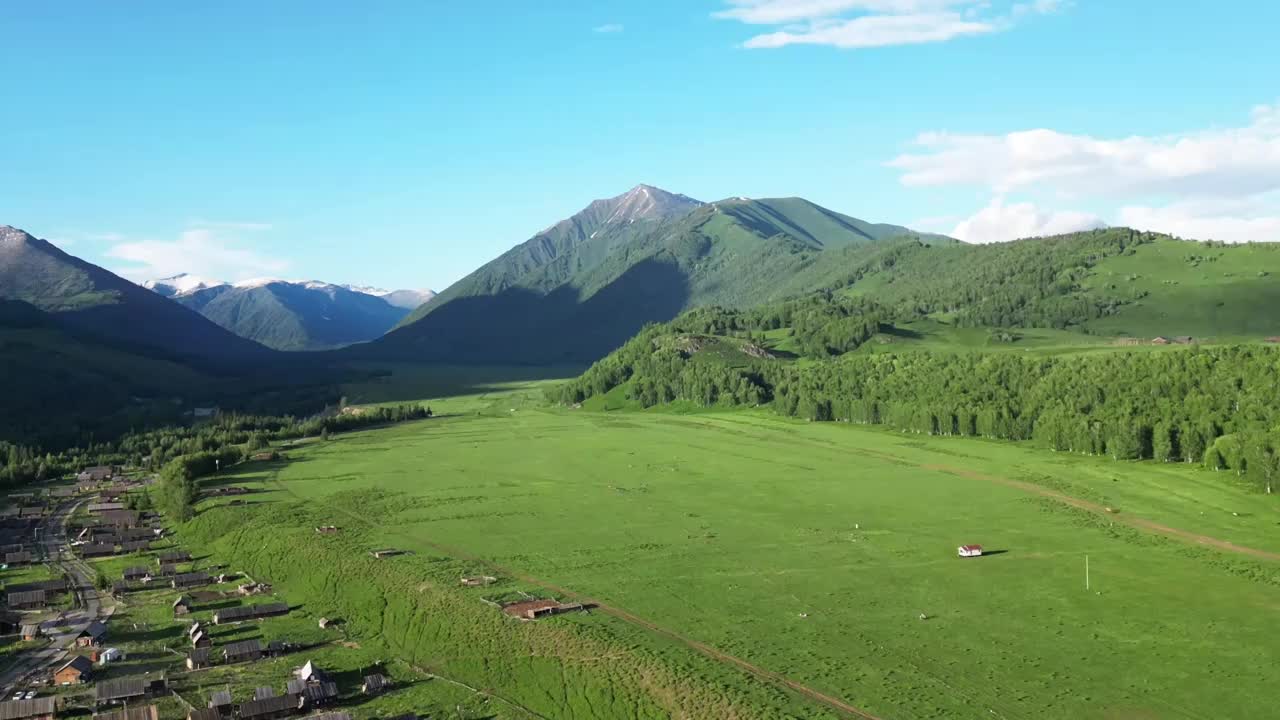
x=581, y=288
x=1112, y=282
x=56, y=384
x=93, y=301
x=295, y=316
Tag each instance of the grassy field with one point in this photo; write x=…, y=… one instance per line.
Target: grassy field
x=1191, y=289
x=806, y=550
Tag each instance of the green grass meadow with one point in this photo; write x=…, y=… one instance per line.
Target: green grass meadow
x=809, y=550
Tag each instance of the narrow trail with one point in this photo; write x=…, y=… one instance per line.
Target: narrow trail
x=1136, y=522
x=756, y=671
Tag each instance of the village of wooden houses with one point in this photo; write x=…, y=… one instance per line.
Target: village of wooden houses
x=106, y=616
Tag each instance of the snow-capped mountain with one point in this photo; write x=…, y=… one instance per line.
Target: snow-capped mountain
x=180, y=284
x=407, y=299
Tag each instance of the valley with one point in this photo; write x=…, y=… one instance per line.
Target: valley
x=716, y=542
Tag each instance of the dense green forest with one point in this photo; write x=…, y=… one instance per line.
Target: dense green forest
x=1214, y=405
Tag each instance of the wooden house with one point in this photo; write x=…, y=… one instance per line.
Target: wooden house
x=30, y=633
x=204, y=714
x=129, y=689
x=269, y=708
x=96, y=474
x=320, y=694
x=94, y=550
x=173, y=557
x=92, y=636
x=221, y=701
x=182, y=606
x=190, y=580
x=122, y=518
x=249, y=612
x=969, y=551
x=243, y=651
x=44, y=708
x=21, y=557
x=199, y=658
x=28, y=600
x=73, y=672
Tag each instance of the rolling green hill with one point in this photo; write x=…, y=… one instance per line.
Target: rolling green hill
x=95, y=302
x=581, y=288
x=1114, y=282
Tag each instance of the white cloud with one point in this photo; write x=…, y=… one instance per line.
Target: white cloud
x=608, y=28
x=1185, y=221
x=1001, y=222
x=1220, y=183
x=200, y=250
x=1226, y=162
x=875, y=23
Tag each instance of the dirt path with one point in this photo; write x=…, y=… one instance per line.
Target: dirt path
x=756, y=671
x=1131, y=521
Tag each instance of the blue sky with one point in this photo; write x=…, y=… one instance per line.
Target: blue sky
x=402, y=144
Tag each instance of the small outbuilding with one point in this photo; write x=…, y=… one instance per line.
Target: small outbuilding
x=198, y=658
x=182, y=606
x=968, y=551
x=375, y=684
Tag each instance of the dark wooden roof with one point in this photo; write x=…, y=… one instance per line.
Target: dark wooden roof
x=243, y=648
x=199, y=655
x=191, y=579
x=246, y=612
x=78, y=663
x=95, y=630
x=29, y=597
x=19, y=709
x=376, y=681
x=268, y=706
x=204, y=714
x=121, y=688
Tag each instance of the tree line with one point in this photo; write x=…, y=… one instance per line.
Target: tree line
x=227, y=437
x=1218, y=407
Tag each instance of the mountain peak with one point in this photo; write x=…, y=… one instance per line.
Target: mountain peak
x=646, y=202
x=10, y=234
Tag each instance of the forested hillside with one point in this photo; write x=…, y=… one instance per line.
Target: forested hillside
x=1213, y=405
x=1114, y=281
